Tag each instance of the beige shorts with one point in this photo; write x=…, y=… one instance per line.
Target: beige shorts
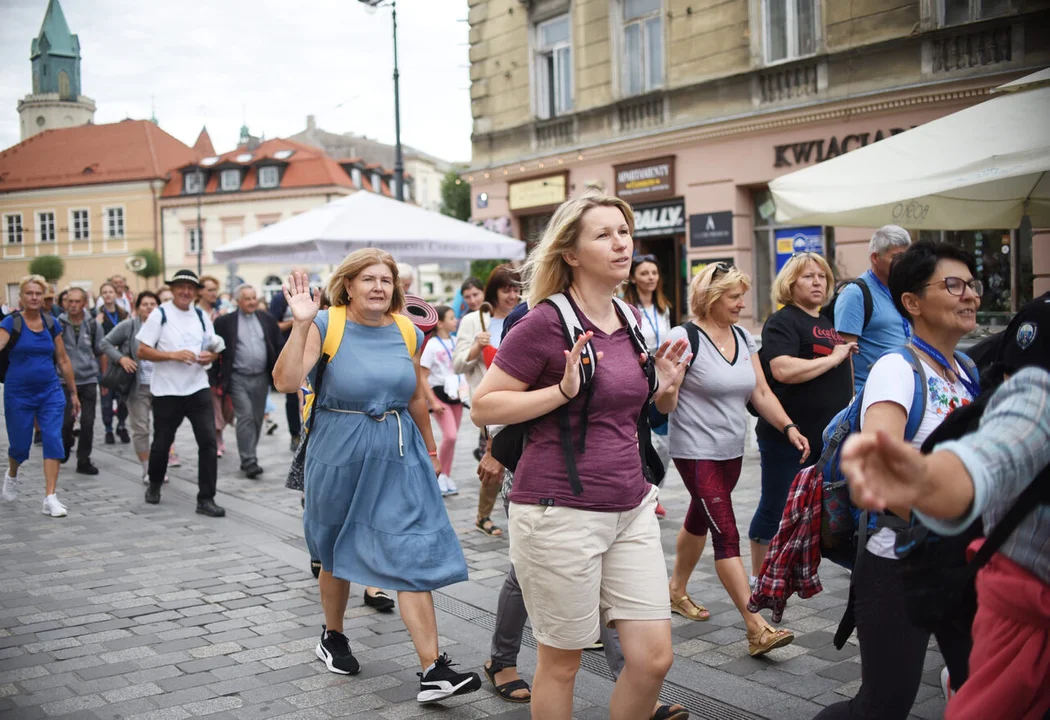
x=579, y=567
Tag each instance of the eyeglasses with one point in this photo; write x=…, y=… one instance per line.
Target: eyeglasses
x=639, y=259
x=957, y=286
x=720, y=267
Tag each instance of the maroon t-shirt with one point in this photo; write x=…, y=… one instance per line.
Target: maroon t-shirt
x=610, y=468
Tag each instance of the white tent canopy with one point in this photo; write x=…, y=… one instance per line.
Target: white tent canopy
x=365, y=220
x=980, y=168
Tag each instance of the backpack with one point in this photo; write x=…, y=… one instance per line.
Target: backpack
x=200, y=316
x=509, y=443
x=828, y=310
x=841, y=521
x=16, y=332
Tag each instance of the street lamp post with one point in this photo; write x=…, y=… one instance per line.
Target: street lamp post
x=200, y=238
x=399, y=162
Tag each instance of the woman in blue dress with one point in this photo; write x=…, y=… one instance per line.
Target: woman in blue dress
x=32, y=391
x=374, y=513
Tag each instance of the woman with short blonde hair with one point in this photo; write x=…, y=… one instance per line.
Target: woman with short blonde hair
x=708, y=424
x=593, y=556
x=373, y=512
x=797, y=265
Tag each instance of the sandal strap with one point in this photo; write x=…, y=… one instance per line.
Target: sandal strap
x=508, y=688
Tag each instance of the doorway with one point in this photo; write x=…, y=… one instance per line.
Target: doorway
x=668, y=253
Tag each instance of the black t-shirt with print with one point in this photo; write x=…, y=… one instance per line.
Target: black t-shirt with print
x=811, y=405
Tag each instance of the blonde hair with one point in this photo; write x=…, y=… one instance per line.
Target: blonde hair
x=705, y=288
x=546, y=273
x=353, y=265
x=784, y=283
x=30, y=279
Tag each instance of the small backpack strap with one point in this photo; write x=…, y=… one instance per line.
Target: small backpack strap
x=968, y=366
x=408, y=332
x=572, y=328
x=200, y=316
x=333, y=334
x=626, y=313
x=918, y=400
x=163, y=315
x=693, y=333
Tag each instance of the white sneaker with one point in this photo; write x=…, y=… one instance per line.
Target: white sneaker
x=10, y=493
x=946, y=686
x=145, y=477
x=752, y=581
x=53, y=507
x=452, y=489
x=442, y=484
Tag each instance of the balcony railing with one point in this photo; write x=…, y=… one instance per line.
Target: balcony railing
x=978, y=48
x=785, y=83
x=641, y=113
x=549, y=134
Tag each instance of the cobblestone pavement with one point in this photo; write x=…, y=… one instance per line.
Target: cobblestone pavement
x=126, y=610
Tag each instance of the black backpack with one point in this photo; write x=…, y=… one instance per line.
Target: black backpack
x=16, y=332
x=828, y=310
x=508, y=443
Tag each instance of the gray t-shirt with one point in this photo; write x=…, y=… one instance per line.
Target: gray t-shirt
x=710, y=421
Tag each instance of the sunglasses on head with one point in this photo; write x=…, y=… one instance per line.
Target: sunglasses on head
x=639, y=259
x=720, y=267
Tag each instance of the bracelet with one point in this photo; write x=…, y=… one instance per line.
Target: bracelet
x=432, y=453
x=563, y=394
x=789, y=426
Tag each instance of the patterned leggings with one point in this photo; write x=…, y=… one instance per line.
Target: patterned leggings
x=711, y=483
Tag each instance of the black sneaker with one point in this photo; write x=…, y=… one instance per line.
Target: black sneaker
x=152, y=494
x=443, y=682
x=209, y=508
x=122, y=433
x=110, y=440
x=86, y=468
x=334, y=651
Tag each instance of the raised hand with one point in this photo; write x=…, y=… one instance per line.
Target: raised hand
x=671, y=362
x=303, y=303
x=882, y=471
x=570, y=379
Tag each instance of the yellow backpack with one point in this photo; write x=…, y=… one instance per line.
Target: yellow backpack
x=333, y=337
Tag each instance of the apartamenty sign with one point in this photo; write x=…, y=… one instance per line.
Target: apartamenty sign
x=706, y=229
x=646, y=180
x=541, y=192
x=656, y=219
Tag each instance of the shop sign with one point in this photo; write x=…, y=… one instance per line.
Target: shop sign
x=797, y=240
x=802, y=153
x=541, y=192
x=666, y=218
x=646, y=180
x=711, y=229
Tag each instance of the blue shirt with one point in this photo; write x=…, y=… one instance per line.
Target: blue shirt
x=1009, y=449
x=885, y=330
x=31, y=367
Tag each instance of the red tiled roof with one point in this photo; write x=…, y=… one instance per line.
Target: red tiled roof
x=203, y=145
x=306, y=167
x=126, y=151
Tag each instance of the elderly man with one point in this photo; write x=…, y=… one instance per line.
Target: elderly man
x=280, y=312
x=83, y=339
x=864, y=309
x=253, y=342
x=181, y=343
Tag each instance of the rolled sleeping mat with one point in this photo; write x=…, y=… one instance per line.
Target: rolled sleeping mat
x=422, y=314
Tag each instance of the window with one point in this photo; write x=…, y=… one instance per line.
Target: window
x=956, y=12
x=115, y=222
x=269, y=176
x=45, y=227
x=231, y=180
x=377, y=183
x=643, y=43
x=791, y=29
x=194, y=183
x=355, y=177
x=13, y=229
x=81, y=225
x=193, y=241
x=63, y=84
x=553, y=67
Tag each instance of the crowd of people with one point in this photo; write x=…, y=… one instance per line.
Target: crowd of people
x=574, y=356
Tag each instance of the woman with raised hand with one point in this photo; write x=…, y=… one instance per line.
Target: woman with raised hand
x=593, y=557
x=32, y=390
x=374, y=514
x=707, y=429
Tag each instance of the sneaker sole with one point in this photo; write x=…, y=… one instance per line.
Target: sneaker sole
x=326, y=658
x=467, y=686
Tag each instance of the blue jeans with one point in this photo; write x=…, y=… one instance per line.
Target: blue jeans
x=779, y=466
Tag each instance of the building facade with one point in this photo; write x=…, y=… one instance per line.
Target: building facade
x=56, y=101
x=688, y=112
x=89, y=195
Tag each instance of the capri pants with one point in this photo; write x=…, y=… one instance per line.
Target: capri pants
x=710, y=484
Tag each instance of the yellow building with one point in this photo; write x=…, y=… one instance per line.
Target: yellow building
x=89, y=195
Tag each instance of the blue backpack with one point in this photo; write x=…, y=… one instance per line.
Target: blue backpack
x=841, y=521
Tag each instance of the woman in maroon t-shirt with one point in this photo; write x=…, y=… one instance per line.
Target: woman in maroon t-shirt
x=593, y=557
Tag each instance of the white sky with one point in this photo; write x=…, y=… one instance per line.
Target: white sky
x=269, y=62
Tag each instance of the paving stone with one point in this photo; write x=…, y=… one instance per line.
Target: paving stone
x=70, y=705
x=844, y=671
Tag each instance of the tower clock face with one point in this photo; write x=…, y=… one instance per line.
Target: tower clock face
x=40, y=120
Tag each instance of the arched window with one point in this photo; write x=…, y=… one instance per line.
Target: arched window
x=63, y=83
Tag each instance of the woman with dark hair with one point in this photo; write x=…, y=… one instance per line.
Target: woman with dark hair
x=479, y=331
x=469, y=297
x=934, y=288
x=109, y=314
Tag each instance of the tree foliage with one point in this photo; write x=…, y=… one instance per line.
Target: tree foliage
x=455, y=196
x=51, y=267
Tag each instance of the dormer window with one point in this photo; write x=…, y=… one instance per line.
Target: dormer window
x=269, y=176
x=377, y=182
x=194, y=183
x=355, y=177
x=231, y=180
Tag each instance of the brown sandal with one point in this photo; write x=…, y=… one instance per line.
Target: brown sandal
x=768, y=639
x=690, y=609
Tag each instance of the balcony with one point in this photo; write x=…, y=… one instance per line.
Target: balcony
x=555, y=133
x=790, y=82
x=972, y=49
x=641, y=113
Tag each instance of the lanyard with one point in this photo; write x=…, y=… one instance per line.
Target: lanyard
x=446, y=348
x=886, y=291
x=654, y=322
x=114, y=318
x=970, y=385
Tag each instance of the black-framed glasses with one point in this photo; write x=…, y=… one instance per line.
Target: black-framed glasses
x=957, y=286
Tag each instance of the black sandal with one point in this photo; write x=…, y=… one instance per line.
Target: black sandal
x=380, y=601
x=506, y=689
x=315, y=568
x=488, y=527
x=670, y=712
